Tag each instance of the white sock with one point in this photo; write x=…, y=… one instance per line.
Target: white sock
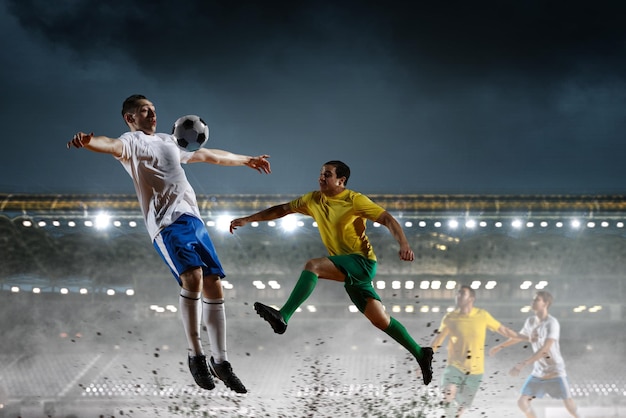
x=214, y=318
x=191, y=311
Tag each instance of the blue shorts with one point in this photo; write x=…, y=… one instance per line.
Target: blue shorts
x=185, y=245
x=557, y=388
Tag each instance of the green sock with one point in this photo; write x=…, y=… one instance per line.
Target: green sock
x=398, y=332
x=304, y=287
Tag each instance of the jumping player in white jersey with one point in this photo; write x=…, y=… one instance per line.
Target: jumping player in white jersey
x=542, y=330
x=168, y=202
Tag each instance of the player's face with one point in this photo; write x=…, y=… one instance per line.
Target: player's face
x=464, y=298
x=329, y=183
x=539, y=304
x=144, y=118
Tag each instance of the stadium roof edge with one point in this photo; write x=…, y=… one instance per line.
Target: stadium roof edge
x=416, y=203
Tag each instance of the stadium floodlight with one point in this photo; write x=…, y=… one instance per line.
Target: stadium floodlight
x=424, y=284
x=435, y=285
x=408, y=224
x=36, y=290
x=517, y=224
x=543, y=224
x=526, y=285
x=64, y=291
x=424, y=309
x=470, y=224
x=453, y=224
x=498, y=224
x=451, y=284
x=311, y=308
x=83, y=291
x=274, y=284
x=475, y=284
x=396, y=309
x=396, y=284
x=491, y=284
x=41, y=224
x=575, y=223
x=436, y=309
x=409, y=284
x=422, y=224
x=132, y=224
x=541, y=285
x=130, y=292
x=254, y=224
x=222, y=223
x=102, y=221
x=380, y=284
x=110, y=292
x=376, y=225
x=289, y=223
x=526, y=309
x=591, y=224
x=595, y=309
x=353, y=309
x=27, y=223
x=409, y=308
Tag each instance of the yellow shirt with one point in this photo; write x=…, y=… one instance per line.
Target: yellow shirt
x=466, y=338
x=341, y=220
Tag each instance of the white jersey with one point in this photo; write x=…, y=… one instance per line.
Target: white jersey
x=539, y=331
x=154, y=164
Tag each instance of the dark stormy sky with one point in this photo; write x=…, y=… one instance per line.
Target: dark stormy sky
x=516, y=97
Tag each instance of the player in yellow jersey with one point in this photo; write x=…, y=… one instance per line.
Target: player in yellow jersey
x=466, y=328
x=341, y=216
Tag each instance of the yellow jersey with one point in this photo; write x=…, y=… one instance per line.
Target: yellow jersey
x=341, y=220
x=466, y=338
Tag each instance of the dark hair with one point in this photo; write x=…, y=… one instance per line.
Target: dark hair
x=546, y=296
x=472, y=292
x=341, y=169
x=131, y=103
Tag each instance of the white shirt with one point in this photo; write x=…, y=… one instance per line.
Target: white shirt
x=154, y=164
x=539, y=331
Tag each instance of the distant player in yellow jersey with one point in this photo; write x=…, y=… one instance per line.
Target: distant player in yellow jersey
x=341, y=216
x=466, y=328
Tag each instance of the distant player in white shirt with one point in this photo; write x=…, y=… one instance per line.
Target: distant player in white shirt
x=548, y=376
x=168, y=202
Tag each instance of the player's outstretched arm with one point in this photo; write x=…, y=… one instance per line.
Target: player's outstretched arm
x=268, y=214
x=405, y=253
x=227, y=158
x=94, y=143
x=439, y=339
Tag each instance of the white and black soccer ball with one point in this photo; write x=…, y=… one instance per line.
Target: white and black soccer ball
x=191, y=132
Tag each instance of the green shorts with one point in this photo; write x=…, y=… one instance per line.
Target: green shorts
x=466, y=384
x=359, y=272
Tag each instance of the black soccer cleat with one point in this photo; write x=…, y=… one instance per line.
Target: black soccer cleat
x=224, y=372
x=426, y=364
x=272, y=316
x=200, y=372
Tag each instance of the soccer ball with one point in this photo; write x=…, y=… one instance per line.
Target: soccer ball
x=191, y=132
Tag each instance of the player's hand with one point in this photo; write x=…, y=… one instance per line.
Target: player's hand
x=260, y=164
x=515, y=371
x=406, y=253
x=235, y=223
x=80, y=140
